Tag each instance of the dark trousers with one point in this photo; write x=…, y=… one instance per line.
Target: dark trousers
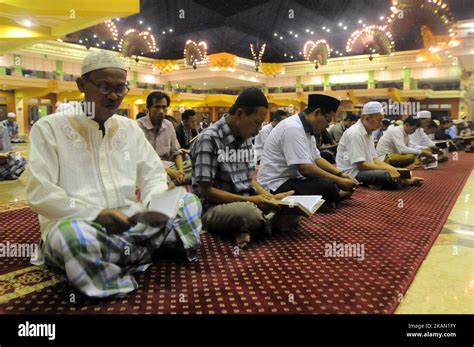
x=379, y=178
x=312, y=186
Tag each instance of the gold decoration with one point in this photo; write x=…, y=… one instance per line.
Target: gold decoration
x=272, y=69
x=166, y=66
x=223, y=62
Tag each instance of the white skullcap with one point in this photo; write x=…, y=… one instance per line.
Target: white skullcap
x=101, y=60
x=11, y=115
x=423, y=115
x=458, y=121
x=372, y=107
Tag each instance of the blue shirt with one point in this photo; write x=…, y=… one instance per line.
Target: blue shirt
x=452, y=131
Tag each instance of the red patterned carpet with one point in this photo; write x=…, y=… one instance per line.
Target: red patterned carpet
x=288, y=273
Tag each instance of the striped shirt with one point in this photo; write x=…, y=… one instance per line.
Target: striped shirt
x=222, y=160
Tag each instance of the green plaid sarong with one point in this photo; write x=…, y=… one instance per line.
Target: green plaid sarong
x=102, y=265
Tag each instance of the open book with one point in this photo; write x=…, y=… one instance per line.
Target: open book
x=301, y=205
x=431, y=163
x=166, y=204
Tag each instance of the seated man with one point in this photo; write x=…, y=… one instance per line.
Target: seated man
x=186, y=130
x=356, y=154
x=13, y=128
x=291, y=159
x=84, y=168
x=262, y=136
x=161, y=134
x=223, y=166
x=394, y=146
x=327, y=146
x=12, y=164
x=445, y=124
x=419, y=139
x=456, y=128
x=338, y=129
x=378, y=133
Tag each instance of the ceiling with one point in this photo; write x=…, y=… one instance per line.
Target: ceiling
x=231, y=26
x=25, y=22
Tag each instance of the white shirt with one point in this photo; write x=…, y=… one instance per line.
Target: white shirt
x=395, y=140
x=287, y=146
x=356, y=145
x=5, y=145
x=76, y=172
x=261, y=138
x=420, y=140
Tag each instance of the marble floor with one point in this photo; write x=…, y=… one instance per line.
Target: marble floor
x=445, y=280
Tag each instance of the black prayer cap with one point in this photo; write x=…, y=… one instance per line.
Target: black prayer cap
x=323, y=101
x=249, y=97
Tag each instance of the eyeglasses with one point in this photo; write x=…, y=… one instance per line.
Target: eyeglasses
x=106, y=89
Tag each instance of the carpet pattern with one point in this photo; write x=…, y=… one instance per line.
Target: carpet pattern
x=288, y=273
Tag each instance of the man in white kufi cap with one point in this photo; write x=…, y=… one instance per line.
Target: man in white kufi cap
x=12, y=126
x=356, y=154
x=419, y=139
x=85, y=167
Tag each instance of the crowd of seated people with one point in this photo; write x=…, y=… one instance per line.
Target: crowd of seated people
x=86, y=194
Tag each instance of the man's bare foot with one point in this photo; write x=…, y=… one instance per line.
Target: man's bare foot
x=242, y=239
x=345, y=194
x=414, y=181
x=285, y=223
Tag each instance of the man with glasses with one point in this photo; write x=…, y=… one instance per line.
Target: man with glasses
x=291, y=159
x=84, y=168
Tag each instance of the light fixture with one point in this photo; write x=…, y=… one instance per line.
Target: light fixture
x=171, y=30
x=340, y=24
x=345, y=28
x=360, y=21
x=27, y=23
x=141, y=22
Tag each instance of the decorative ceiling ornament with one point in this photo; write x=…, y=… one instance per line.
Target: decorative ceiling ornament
x=166, y=66
x=194, y=53
x=317, y=52
x=257, y=57
x=434, y=45
x=223, y=62
x=370, y=40
x=96, y=35
x=137, y=43
x=412, y=14
x=272, y=69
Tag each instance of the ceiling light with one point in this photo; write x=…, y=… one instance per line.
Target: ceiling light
x=340, y=24
x=27, y=23
x=360, y=21
x=141, y=22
